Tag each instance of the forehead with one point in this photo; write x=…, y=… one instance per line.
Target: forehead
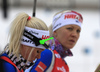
x=72, y=25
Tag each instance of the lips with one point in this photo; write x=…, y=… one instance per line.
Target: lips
x=72, y=41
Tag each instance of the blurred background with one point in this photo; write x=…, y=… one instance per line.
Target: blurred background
x=86, y=52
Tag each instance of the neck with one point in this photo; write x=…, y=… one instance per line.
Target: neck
x=64, y=48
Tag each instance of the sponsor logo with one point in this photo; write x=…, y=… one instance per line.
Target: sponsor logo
x=57, y=25
x=30, y=36
x=77, y=21
x=61, y=69
x=40, y=67
x=73, y=17
x=45, y=37
x=55, y=19
x=57, y=56
x=32, y=32
x=27, y=41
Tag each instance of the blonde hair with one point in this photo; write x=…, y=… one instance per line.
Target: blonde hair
x=17, y=29
x=50, y=31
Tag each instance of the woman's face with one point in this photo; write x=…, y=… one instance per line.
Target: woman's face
x=36, y=53
x=68, y=35
x=30, y=53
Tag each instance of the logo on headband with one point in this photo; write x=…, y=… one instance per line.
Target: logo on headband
x=28, y=41
x=73, y=17
x=45, y=36
x=33, y=32
x=56, y=25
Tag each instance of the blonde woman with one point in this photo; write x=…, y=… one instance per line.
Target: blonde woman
x=65, y=29
x=24, y=46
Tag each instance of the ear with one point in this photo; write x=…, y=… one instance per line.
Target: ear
x=54, y=33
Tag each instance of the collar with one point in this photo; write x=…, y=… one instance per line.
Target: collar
x=20, y=62
x=58, y=47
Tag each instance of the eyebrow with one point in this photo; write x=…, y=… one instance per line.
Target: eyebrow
x=73, y=26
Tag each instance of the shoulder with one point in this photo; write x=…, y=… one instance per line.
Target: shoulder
x=6, y=67
x=44, y=62
x=46, y=53
x=46, y=56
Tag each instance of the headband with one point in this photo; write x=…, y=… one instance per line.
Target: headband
x=66, y=18
x=32, y=36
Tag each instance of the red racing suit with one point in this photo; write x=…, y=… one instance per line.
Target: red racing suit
x=59, y=65
x=50, y=62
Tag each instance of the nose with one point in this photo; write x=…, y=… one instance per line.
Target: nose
x=74, y=34
x=38, y=56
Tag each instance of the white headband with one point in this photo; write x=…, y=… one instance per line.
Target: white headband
x=66, y=19
x=37, y=33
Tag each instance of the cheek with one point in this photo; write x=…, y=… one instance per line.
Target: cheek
x=33, y=54
x=78, y=37
x=63, y=37
x=61, y=34
x=39, y=55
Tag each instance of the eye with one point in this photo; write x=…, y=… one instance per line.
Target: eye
x=78, y=31
x=37, y=51
x=69, y=28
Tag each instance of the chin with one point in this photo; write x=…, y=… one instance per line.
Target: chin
x=69, y=47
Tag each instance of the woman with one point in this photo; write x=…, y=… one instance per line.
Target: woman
x=65, y=29
x=24, y=47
